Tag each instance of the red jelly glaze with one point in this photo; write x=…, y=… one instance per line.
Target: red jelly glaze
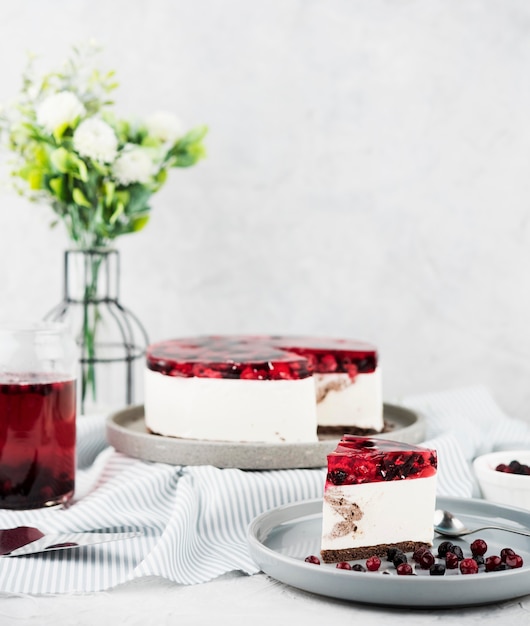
x=256, y=357
x=358, y=460
x=37, y=440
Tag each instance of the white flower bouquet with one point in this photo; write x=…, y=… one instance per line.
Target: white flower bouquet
x=96, y=171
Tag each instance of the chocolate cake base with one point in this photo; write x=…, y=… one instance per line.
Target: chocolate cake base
x=364, y=552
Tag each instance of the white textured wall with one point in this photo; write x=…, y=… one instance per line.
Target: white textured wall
x=368, y=176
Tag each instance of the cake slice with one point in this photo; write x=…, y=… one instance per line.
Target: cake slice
x=348, y=389
x=378, y=494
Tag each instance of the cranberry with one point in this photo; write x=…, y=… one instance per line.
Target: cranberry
x=426, y=560
x=328, y=363
x=514, y=467
x=404, y=569
x=418, y=552
x=437, y=569
x=373, y=563
x=444, y=548
x=492, y=563
x=479, y=547
x=451, y=560
x=514, y=561
x=468, y=566
x=312, y=559
x=343, y=565
x=505, y=552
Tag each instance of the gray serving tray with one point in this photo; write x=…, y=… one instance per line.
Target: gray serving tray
x=126, y=431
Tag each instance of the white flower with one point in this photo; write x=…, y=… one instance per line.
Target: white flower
x=95, y=139
x=61, y=108
x=164, y=126
x=134, y=165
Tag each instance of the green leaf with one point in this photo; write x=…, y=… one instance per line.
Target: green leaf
x=80, y=198
x=57, y=186
x=119, y=210
x=138, y=223
x=193, y=136
x=35, y=179
x=60, y=159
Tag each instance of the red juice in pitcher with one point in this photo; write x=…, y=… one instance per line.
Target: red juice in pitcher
x=37, y=439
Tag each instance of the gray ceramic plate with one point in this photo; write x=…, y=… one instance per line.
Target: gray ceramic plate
x=280, y=539
x=126, y=431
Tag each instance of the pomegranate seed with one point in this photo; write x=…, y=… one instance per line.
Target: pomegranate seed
x=312, y=559
x=343, y=565
x=479, y=547
x=514, y=561
x=492, y=563
x=373, y=563
x=404, y=569
x=468, y=566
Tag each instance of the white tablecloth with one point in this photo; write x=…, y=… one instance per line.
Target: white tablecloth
x=194, y=519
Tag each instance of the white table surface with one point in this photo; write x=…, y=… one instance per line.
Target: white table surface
x=233, y=599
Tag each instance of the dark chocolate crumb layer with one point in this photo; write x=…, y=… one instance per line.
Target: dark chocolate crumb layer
x=353, y=554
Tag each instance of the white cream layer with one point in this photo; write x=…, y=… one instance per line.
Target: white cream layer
x=393, y=511
x=355, y=403
x=222, y=409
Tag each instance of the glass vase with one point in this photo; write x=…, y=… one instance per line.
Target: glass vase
x=110, y=339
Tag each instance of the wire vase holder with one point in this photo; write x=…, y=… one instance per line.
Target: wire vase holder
x=111, y=340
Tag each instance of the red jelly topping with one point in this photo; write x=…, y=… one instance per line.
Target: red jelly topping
x=260, y=357
x=358, y=460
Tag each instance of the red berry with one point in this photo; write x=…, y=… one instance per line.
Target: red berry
x=312, y=559
x=514, y=561
x=468, y=566
x=505, y=552
x=373, y=563
x=343, y=565
x=404, y=569
x=451, y=560
x=426, y=560
x=492, y=563
x=328, y=363
x=479, y=547
x=418, y=552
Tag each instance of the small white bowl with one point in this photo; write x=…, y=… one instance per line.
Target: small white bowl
x=501, y=487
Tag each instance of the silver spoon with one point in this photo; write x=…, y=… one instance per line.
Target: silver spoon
x=445, y=523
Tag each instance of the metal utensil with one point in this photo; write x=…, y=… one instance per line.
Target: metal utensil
x=25, y=540
x=445, y=523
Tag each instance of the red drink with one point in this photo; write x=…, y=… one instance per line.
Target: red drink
x=37, y=440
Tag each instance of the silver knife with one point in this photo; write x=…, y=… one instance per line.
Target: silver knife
x=28, y=540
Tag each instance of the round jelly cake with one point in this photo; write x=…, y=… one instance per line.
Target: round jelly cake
x=261, y=388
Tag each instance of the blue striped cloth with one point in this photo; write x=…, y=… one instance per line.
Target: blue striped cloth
x=194, y=519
